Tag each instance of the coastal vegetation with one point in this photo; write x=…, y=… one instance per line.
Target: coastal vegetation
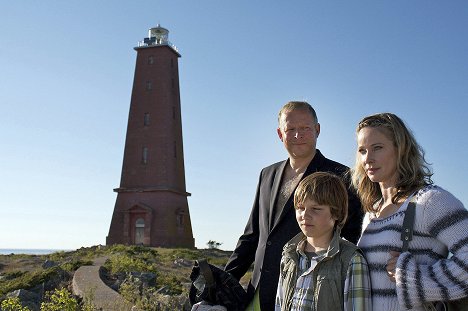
x=150, y=278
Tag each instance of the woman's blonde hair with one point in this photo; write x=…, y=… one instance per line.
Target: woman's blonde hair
x=412, y=169
x=325, y=189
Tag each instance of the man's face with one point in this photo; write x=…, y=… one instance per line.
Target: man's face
x=298, y=132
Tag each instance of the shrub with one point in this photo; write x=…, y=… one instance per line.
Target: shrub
x=57, y=256
x=13, y=275
x=28, y=280
x=126, y=263
x=131, y=289
x=75, y=264
x=171, y=283
x=13, y=304
x=185, y=253
x=60, y=300
x=148, y=299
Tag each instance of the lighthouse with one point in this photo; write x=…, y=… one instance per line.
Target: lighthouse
x=151, y=206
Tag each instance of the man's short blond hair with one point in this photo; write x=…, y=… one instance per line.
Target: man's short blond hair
x=325, y=189
x=297, y=105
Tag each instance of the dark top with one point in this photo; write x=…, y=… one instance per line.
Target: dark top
x=265, y=233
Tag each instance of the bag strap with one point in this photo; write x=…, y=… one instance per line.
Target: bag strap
x=206, y=272
x=408, y=223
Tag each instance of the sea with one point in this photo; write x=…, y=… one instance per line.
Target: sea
x=18, y=251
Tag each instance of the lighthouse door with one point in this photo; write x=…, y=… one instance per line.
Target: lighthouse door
x=139, y=231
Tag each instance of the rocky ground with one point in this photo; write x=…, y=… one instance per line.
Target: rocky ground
x=162, y=271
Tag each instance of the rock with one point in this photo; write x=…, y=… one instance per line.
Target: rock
x=164, y=291
x=186, y=306
x=27, y=298
x=38, y=289
x=49, y=264
x=180, y=262
x=58, y=277
x=186, y=285
x=147, y=278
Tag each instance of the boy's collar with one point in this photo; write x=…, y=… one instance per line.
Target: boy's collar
x=333, y=247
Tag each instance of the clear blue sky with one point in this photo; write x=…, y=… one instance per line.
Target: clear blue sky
x=66, y=74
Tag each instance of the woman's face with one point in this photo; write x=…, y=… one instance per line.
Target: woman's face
x=377, y=155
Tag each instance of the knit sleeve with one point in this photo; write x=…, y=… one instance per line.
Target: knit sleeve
x=424, y=273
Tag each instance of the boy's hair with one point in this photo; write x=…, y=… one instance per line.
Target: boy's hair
x=325, y=189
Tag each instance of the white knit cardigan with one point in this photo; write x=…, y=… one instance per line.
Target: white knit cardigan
x=424, y=273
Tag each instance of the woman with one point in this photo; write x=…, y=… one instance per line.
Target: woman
x=391, y=171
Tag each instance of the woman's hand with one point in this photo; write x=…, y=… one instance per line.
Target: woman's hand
x=391, y=265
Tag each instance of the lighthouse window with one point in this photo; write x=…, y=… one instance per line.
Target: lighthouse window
x=149, y=85
x=144, y=156
x=146, y=119
x=180, y=219
x=140, y=223
x=151, y=60
x=140, y=231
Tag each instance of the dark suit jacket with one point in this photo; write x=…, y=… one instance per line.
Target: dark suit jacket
x=267, y=230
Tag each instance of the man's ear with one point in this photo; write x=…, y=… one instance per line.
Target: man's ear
x=317, y=129
x=280, y=135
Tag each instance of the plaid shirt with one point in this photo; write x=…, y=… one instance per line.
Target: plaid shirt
x=357, y=287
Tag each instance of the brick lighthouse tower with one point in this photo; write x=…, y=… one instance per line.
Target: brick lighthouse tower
x=151, y=207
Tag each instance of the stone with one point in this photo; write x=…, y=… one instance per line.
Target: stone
x=49, y=264
x=180, y=262
x=147, y=278
x=27, y=298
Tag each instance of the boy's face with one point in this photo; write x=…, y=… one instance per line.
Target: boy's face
x=315, y=220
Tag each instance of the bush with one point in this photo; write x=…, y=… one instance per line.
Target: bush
x=125, y=263
x=13, y=304
x=28, y=280
x=75, y=264
x=148, y=299
x=171, y=283
x=13, y=275
x=189, y=254
x=131, y=289
x=60, y=300
x=57, y=256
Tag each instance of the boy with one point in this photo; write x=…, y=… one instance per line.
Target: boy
x=319, y=270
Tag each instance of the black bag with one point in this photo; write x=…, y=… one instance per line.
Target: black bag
x=216, y=286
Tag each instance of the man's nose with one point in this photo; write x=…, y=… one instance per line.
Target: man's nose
x=299, y=133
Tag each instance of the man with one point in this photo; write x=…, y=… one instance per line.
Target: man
x=272, y=221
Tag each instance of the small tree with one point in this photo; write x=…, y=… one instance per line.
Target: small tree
x=213, y=244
